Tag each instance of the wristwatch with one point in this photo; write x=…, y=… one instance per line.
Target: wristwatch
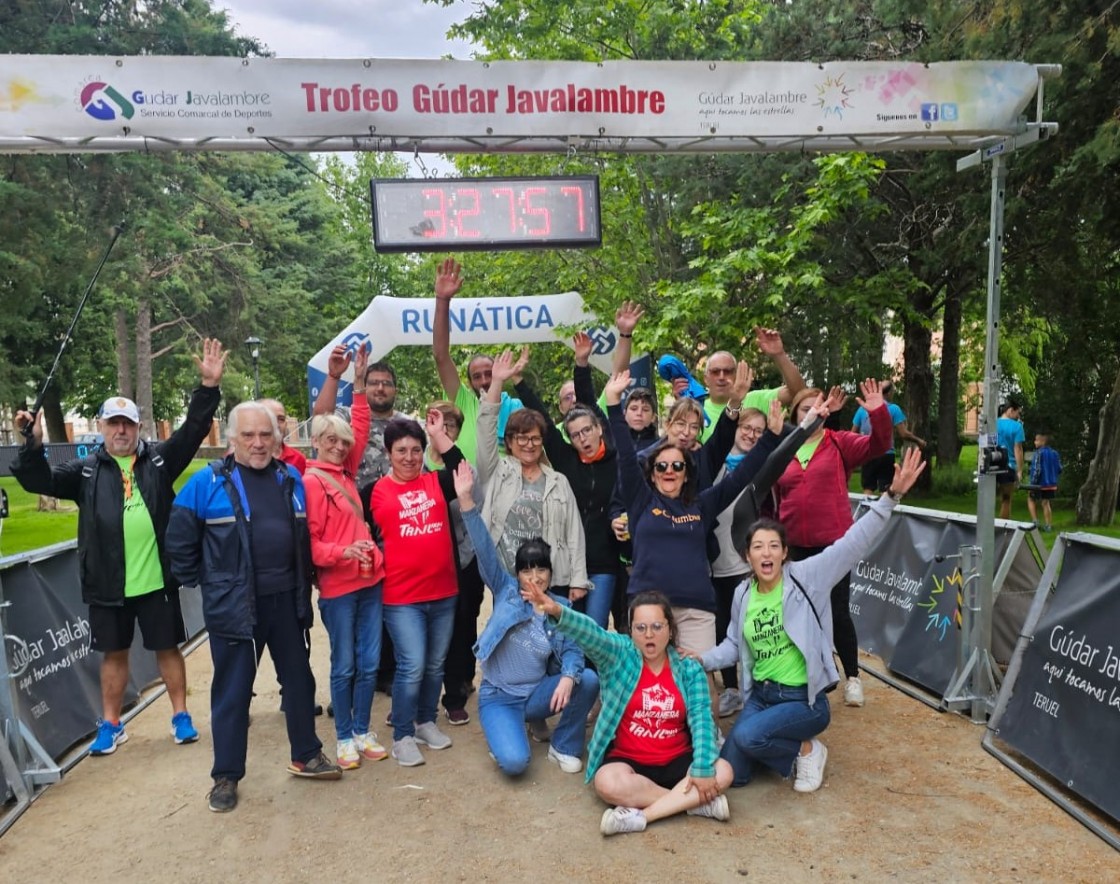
x=896, y=496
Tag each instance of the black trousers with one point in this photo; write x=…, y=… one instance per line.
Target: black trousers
x=843, y=627
x=459, y=667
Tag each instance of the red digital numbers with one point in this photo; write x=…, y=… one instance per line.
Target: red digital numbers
x=539, y=212
x=431, y=230
x=577, y=192
x=467, y=205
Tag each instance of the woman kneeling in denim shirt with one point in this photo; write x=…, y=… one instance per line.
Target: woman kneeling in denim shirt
x=516, y=649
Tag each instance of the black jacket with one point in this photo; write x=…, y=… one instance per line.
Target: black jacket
x=94, y=483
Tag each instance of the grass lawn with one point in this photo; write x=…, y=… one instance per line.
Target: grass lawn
x=26, y=528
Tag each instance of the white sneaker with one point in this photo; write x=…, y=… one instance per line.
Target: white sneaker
x=617, y=820
x=368, y=747
x=853, y=692
x=568, y=763
x=715, y=809
x=431, y=736
x=730, y=702
x=809, y=773
x=539, y=731
x=407, y=753
x=347, y=754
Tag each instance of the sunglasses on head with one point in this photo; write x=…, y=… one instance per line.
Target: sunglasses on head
x=662, y=466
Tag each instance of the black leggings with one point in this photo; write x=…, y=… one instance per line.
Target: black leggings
x=843, y=628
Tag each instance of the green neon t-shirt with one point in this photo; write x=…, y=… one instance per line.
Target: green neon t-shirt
x=759, y=399
x=776, y=657
x=142, y=570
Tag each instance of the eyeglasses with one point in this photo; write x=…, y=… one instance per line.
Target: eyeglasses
x=662, y=466
x=654, y=628
x=380, y=383
x=527, y=441
x=580, y=434
x=754, y=431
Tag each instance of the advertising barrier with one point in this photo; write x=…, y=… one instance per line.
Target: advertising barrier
x=1060, y=702
x=906, y=594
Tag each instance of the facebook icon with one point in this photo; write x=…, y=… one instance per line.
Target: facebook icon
x=930, y=112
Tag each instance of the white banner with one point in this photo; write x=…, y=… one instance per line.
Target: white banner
x=390, y=322
x=76, y=97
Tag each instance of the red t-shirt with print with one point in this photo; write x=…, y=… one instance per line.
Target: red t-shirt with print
x=416, y=530
x=654, y=727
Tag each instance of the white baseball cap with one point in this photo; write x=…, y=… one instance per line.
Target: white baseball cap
x=119, y=406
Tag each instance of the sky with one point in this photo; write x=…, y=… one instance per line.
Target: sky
x=349, y=28
x=355, y=29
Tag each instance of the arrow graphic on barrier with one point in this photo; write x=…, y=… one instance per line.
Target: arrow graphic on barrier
x=936, y=620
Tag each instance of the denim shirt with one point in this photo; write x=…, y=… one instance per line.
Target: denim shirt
x=510, y=609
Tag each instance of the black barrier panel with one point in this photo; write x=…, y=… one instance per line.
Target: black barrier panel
x=46, y=637
x=56, y=454
x=1065, y=711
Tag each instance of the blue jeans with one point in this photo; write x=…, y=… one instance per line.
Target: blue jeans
x=503, y=718
x=421, y=634
x=353, y=624
x=598, y=600
x=774, y=722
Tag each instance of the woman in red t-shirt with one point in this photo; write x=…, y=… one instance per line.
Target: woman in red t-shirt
x=409, y=508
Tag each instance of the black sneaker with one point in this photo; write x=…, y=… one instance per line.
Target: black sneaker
x=319, y=768
x=223, y=797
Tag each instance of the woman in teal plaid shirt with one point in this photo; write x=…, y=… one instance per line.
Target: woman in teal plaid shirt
x=653, y=753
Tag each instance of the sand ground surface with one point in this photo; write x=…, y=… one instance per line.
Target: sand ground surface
x=909, y=795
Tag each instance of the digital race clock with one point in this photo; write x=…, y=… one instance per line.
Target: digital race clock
x=457, y=214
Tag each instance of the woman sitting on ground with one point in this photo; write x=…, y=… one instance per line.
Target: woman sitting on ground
x=517, y=649
x=653, y=751
x=781, y=633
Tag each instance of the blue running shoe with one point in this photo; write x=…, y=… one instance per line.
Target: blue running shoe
x=109, y=736
x=182, y=728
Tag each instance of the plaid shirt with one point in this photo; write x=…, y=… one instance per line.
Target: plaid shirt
x=620, y=667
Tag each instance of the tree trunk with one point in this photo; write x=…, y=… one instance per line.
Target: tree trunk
x=144, y=368
x=918, y=340
x=124, y=363
x=1096, y=501
x=948, y=391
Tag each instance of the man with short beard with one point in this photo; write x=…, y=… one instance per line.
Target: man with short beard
x=124, y=491
x=381, y=394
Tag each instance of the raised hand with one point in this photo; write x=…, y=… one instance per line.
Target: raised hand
x=536, y=596
x=742, y=383
x=775, y=417
x=627, y=315
x=361, y=360
x=872, y=395
x=212, y=363
x=464, y=485
x=23, y=418
x=769, y=341
x=614, y=387
x=836, y=399
x=338, y=361
x=433, y=424
x=581, y=342
x=907, y=472
x=504, y=366
x=449, y=279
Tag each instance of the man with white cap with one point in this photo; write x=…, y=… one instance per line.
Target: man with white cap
x=124, y=492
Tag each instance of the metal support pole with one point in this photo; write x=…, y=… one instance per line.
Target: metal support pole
x=979, y=639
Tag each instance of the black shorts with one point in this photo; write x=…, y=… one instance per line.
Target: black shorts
x=1006, y=483
x=1042, y=493
x=665, y=775
x=878, y=473
x=161, y=623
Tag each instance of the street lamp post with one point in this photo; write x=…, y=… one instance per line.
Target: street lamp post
x=254, y=344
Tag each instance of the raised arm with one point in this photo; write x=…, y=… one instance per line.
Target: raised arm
x=770, y=343
x=630, y=480
x=337, y=363
x=449, y=280
x=448, y=451
x=626, y=320
x=359, y=413
x=489, y=564
x=856, y=449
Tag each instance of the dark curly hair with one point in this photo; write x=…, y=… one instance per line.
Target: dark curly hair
x=689, y=489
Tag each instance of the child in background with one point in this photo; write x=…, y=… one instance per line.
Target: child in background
x=1046, y=466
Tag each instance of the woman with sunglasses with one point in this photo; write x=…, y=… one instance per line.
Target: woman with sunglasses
x=589, y=464
x=781, y=634
x=670, y=518
x=653, y=751
x=525, y=497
